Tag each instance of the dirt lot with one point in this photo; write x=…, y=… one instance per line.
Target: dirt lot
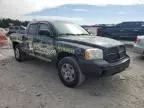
x=35, y=84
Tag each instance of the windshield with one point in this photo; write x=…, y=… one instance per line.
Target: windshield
x=67, y=28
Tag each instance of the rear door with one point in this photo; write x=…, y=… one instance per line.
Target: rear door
x=30, y=37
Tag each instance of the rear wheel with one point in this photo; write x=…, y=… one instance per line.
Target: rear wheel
x=70, y=73
x=19, y=55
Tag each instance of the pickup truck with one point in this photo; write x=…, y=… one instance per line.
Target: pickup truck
x=75, y=52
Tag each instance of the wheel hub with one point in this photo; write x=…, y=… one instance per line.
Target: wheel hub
x=17, y=53
x=68, y=72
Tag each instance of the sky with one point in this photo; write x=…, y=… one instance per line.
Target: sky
x=18, y=9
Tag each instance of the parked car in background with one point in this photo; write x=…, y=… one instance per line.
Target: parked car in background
x=17, y=29
x=123, y=31
x=3, y=39
x=2, y=30
x=139, y=45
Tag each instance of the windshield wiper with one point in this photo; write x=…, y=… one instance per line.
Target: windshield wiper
x=67, y=34
x=82, y=34
x=73, y=34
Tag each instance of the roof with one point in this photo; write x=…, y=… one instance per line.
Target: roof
x=51, y=21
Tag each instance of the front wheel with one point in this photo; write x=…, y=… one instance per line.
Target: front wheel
x=69, y=72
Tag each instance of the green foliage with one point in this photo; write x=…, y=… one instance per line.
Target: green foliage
x=4, y=23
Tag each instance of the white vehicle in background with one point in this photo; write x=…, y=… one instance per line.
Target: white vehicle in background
x=3, y=30
x=17, y=29
x=139, y=45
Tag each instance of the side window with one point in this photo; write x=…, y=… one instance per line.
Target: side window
x=11, y=28
x=16, y=28
x=32, y=29
x=22, y=28
x=44, y=29
x=44, y=26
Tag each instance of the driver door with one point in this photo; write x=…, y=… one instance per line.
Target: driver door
x=46, y=44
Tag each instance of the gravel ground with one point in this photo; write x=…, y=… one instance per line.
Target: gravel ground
x=35, y=84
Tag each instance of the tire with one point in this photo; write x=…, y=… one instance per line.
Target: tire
x=19, y=55
x=70, y=78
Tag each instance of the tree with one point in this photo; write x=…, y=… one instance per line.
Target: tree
x=5, y=23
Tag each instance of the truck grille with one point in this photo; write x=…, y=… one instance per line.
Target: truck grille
x=114, y=54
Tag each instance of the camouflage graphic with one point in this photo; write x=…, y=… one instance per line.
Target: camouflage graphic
x=15, y=37
x=64, y=48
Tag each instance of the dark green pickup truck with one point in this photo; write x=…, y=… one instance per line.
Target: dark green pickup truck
x=76, y=53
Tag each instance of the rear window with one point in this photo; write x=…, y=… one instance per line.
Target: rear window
x=11, y=28
x=32, y=29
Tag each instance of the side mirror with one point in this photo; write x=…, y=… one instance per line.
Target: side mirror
x=45, y=32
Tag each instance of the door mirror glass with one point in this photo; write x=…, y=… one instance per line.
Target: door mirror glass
x=44, y=32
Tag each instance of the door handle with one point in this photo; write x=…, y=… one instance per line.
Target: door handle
x=44, y=42
x=44, y=46
x=24, y=38
x=36, y=40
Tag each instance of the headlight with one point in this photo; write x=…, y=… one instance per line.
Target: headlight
x=93, y=54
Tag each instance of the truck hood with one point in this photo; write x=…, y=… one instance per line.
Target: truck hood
x=92, y=40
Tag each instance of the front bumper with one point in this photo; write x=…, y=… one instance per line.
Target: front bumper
x=102, y=68
x=138, y=49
